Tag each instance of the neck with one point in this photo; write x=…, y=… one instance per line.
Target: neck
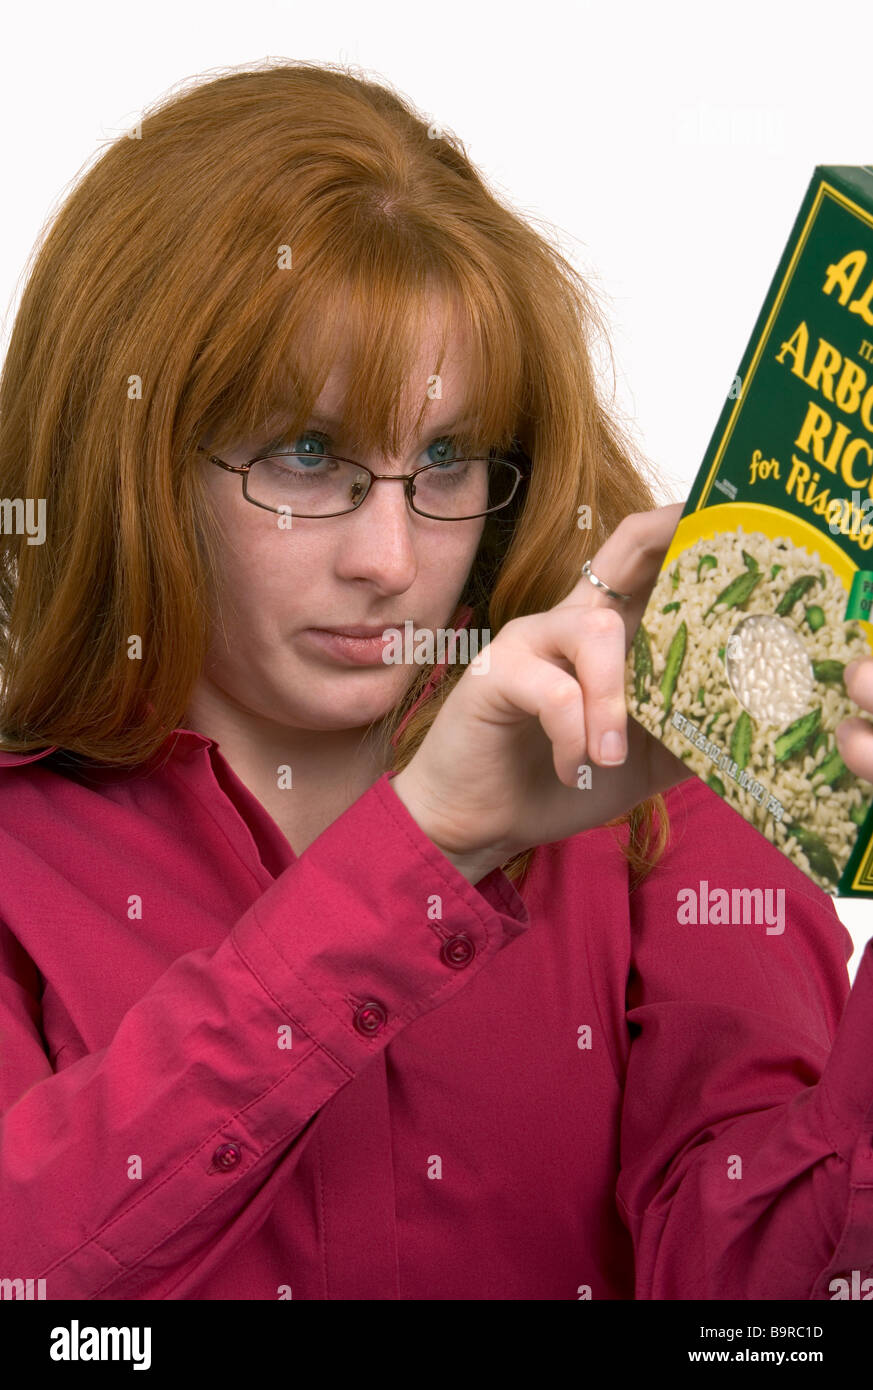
x=329, y=770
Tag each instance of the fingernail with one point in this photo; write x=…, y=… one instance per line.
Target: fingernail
x=850, y=669
x=612, y=748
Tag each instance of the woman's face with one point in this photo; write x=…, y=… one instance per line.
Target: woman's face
x=374, y=567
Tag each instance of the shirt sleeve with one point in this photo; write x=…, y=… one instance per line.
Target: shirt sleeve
x=369, y=929
x=747, y=1121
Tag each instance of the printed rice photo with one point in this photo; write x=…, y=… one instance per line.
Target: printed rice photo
x=762, y=682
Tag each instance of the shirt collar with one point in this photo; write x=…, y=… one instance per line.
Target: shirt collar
x=182, y=738
x=14, y=759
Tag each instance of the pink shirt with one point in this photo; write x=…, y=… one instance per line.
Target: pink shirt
x=230, y=1073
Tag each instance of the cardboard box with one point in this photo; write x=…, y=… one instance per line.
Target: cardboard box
x=765, y=592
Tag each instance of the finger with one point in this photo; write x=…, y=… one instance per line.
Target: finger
x=543, y=690
x=630, y=560
x=855, y=746
x=859, y=683
x=575, y=710
x=600, y=662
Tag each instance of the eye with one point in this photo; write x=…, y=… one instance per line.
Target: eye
x=322, y=442
x=282, y=444
x=441, y=446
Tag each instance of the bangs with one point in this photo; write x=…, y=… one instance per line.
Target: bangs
x=391, y=314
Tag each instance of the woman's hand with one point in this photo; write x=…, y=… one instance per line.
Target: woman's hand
x=855, y=736
x=497, y=771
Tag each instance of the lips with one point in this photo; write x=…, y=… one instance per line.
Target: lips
x=362, y=631
x=356, y=646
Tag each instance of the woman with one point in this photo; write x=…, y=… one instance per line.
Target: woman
x=323, y=976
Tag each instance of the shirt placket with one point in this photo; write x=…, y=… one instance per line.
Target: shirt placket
x=350, y=1148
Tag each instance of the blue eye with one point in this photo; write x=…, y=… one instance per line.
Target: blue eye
x=282, y=445
x=441, y=444
x=442, y=450
x=321, y=439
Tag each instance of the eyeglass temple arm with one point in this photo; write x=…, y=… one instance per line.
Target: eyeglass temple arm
x=213, y=458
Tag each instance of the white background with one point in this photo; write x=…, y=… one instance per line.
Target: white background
x=666, y=145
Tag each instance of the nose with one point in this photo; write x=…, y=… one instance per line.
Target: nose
x=378, y=541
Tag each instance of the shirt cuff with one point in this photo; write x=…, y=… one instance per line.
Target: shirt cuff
x=372, y=926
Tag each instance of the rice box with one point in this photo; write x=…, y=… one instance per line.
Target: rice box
x=765, y=593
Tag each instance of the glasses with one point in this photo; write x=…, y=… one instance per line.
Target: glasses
x=318, y=485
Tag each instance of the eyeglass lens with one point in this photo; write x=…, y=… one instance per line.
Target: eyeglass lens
x=318, y=485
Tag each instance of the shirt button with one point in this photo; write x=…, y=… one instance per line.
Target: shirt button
x=457, y=951
x=227, y=1156
x=370, y=1018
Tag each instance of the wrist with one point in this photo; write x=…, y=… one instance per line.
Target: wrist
x=474, y=866
x=473, y=869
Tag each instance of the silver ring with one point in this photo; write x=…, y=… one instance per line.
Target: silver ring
x=599, y=584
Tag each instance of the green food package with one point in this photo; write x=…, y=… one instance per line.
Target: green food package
x=765, y=592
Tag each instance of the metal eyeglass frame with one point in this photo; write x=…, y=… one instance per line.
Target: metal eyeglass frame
x=405, y=478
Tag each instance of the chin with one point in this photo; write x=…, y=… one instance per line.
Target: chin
x=350, y=702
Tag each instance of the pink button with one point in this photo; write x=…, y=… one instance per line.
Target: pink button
x=458, y=951
x=227, y=1156
x=370, y=1018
